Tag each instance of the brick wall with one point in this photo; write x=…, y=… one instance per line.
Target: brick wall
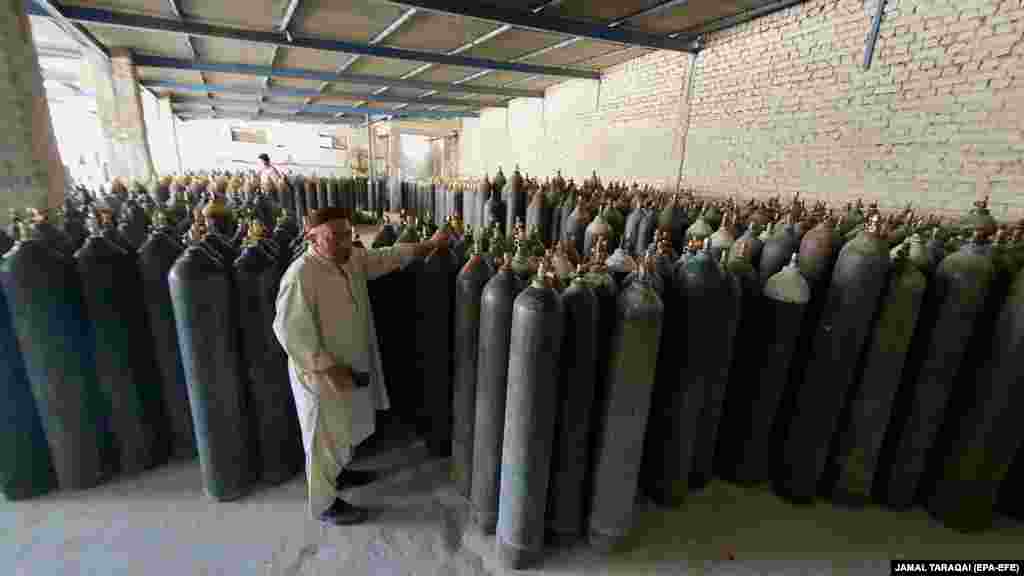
x=782, y=105
x=628, y=125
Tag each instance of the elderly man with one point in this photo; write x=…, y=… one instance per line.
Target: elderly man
x=325, y=324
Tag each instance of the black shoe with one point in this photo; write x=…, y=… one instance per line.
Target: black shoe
x=342, y=513
x=353, y=478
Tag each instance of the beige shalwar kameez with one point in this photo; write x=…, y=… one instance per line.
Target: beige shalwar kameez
x=323, y=319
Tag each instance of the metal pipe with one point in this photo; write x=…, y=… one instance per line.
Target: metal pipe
x=876, y=25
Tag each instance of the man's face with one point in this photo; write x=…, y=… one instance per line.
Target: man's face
x=333, y=240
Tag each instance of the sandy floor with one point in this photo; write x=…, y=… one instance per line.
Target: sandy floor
x=161, y=524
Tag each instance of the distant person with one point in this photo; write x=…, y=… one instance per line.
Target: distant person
x=270, y=177
x=325, y=324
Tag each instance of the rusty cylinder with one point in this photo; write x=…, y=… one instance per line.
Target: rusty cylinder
x=536, y=339
x=859, y=278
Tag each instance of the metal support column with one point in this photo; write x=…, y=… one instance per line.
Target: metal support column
x=372, y=182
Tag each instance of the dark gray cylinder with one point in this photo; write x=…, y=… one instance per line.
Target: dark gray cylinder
x=496, y=305
x=537, y=324
x=577, y=380
x=468, y=294
x=631, y=372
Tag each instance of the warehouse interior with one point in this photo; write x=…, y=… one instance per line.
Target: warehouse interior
x=730, y=286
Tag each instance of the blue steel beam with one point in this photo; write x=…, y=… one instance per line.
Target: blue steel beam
x=534, y=21
x=332, y=109
x=146, y=61
x=78, y=33
x=289, y=92
x=387, y=31
x=151, y=23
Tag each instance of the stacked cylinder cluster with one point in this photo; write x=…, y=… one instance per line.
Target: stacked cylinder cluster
x=575, y=347
x=136, y=328
x=612, y=341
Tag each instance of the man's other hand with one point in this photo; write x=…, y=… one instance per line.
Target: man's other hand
x=339, y=378
x=440, y=240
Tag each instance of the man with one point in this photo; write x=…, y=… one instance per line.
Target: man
x=270, y=177
x=325, y=324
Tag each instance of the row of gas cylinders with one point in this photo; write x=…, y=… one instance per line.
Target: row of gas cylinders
x=831, y=367
x=115, y=360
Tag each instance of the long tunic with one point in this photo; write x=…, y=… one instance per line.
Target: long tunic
x=324, y=318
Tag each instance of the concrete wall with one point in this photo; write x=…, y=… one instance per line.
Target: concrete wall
x=161, y=134
x=782, y=104
x=207, y=145
x=628, y=125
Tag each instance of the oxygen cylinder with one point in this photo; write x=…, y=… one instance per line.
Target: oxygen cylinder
x=753, y=245
x=133, y=225
x=302, y=209
x=598, y=228
x=468, y=293
x=989, y=435
x=632, y=228
x=778, y=249
x=556, y=216
x=312, y=198
x=645, y=231
x=854, y=463
x=723, y=238
x=124, y=353
x=494, y=210
x=156, y=257
x=576, y=227
x=531, y=405
x=743, y=372
x=758, y=438
x=626, y=403
x=44, y=300
x=962, y=285
x=514, y=195
x=854, y=296
x=577, y=376
x=711, y=308
x=275, y=444
x=537, y=216
x=25, y=468
x=496, y=307
x=433, y=303
x=322, y=192
x=201, y=293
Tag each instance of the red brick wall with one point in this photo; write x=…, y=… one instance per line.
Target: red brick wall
x=783, y=104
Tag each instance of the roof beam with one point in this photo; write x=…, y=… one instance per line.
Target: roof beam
x=76, y=32
x=289, y=14
x=146, y=61
x=324, y=109
x=288, y=92
x=697, y=32
x=176, y=10
x=659, y=7
x=387, y=31
x=559, y=25
x=151, y=23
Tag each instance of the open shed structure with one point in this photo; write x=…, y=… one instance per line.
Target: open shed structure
x=341, y=62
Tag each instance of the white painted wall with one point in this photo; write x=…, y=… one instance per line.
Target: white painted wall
x=207, y=145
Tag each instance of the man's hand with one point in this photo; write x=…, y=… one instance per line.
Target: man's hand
x=339, y=378
x=439, y=241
